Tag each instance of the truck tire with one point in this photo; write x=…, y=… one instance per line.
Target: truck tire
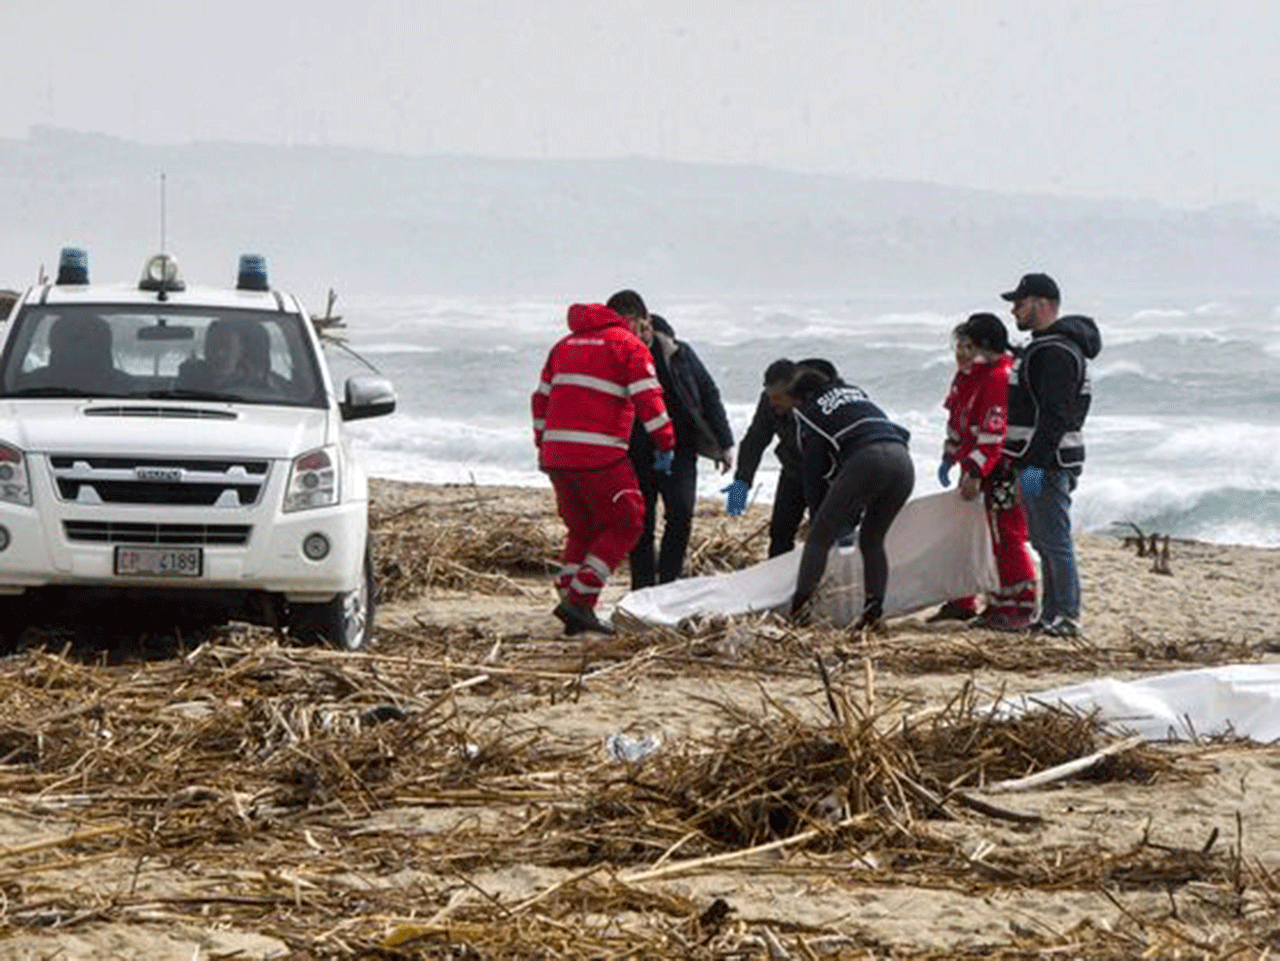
x=346, y=622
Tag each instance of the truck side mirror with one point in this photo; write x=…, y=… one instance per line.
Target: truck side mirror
x=367, y=396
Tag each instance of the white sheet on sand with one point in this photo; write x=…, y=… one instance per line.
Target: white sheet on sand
x=1241, y=699
x=939, y=547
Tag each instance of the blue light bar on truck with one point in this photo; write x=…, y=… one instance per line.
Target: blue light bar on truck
x=73, y=266
x=252, y=273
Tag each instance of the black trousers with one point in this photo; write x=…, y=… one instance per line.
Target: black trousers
x=679, y=493
x=877, y=480
x=788, y=512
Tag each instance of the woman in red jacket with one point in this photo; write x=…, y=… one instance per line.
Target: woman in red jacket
x=977, y=406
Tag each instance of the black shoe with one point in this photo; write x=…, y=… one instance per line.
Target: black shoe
x=1061, y=626
x=872, y=617
x=951, y=611
x=580, y=620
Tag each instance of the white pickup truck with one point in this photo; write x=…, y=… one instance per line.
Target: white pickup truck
x=183, y=448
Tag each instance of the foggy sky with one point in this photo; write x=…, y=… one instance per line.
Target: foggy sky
x=1167, y=100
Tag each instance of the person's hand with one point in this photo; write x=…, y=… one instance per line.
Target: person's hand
x=662, y=461
x=944, y=471
x=970, y=486
x=736, y=502
x=725, y=460
x=1031, y=482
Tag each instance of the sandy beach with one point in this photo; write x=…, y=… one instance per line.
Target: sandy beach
x=478, y=786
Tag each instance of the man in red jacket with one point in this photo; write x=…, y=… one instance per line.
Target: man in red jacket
x=596, y=381
x=978, y=408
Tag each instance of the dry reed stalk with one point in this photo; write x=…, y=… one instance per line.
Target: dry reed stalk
x=278, y=775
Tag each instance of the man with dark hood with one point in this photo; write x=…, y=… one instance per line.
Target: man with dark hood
x=702, y=428
x=1049, y=395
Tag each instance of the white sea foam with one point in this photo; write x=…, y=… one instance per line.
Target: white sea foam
x=398, y=348
x=1101, y=371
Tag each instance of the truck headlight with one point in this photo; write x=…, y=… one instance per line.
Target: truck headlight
x=15, y=484
x=313, y=480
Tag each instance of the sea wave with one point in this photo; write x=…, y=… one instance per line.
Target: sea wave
x=1184, y=410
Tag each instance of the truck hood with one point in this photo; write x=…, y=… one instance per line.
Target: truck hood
x=122, y=428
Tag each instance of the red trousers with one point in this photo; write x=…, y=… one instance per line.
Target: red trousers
x=1017, y=593
x=604, y=513
x=1016, y=596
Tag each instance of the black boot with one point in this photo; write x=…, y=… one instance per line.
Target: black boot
x=872, y=616
x=580, y=620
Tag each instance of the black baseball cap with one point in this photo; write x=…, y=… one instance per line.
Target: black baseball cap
x=1033, y=285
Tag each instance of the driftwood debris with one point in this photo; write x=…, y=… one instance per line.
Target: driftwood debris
x=1155, y=546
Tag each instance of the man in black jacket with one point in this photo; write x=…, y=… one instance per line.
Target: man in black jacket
x=1049, y=395
x=856, y=469
x=769, y=421
x=702, y=427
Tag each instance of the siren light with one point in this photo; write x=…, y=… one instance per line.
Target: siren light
x=252, y=273
x=161, y=273
x=73, y=266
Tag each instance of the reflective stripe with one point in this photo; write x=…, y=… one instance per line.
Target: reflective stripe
x=659, y=421
x=1017, y=432
x=578, y=587
x=597, y=565
x=589, y=382
x=979, y=459
x=640, y=386
x=856, y=424
x=584, y=437
x=539, y=423
x=544, y=387
x=989, y=438
x=1072, y=438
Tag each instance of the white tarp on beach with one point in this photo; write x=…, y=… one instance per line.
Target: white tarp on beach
x=1241, y=699
x=939, y=547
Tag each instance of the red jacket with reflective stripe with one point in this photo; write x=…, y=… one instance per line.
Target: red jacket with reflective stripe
x=595, y=382
x=978, y=405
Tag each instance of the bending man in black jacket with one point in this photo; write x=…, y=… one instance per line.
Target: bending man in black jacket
x=855, y=464
x=702, y=427
x=773, y=419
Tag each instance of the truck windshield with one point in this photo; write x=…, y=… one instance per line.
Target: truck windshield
x=137, y=351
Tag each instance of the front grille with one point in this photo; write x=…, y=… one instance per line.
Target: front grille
x=67, y=461
x=182, y=482
x=121, y=532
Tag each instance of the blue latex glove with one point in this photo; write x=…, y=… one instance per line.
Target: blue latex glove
x=1031, y=482
x=662, y=461
x=944, y=471
x=736, y=502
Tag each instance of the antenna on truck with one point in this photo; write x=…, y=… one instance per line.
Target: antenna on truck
x=162, y=211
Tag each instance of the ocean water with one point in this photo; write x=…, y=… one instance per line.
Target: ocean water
x=1183, y=437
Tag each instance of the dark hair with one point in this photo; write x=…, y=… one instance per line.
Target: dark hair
x=780, y=371
x=821, y=365
x=659, y=323
x=807, y=383
x=627, y=303
x=986, y=331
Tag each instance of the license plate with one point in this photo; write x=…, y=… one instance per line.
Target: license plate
x=160, y=561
